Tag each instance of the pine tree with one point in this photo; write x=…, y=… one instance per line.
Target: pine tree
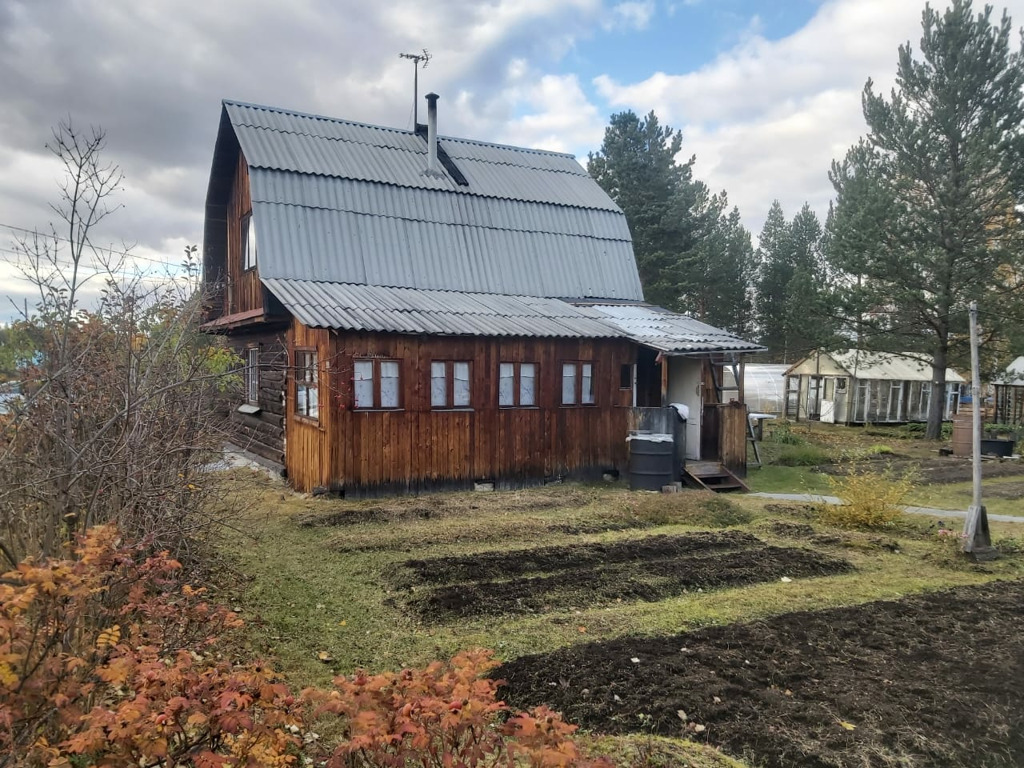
x=667, y=210
x=774, y=273
x=731, y=270
x=807, y=324
x=925, y=216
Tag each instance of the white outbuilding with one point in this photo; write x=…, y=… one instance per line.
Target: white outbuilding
x=856, y=387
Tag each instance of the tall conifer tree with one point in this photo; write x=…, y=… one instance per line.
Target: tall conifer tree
x=926, y=211
x=667, y=209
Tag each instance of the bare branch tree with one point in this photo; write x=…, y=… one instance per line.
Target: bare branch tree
x=117, y=421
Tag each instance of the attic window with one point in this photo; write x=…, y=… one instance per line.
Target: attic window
x=248, y=242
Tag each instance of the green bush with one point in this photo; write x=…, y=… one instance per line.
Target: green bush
x=806, y=455
x=872, y=499
x=879, y=450
x=781, y=432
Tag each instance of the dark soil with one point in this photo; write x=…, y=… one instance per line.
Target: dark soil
x=790, y=509
x=941, y=469
x=791, y=530
x=587, y=574
x=930, y=680
x=505, y=564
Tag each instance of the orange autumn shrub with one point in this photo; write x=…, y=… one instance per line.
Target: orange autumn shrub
x=446, y=714
x=109, y=660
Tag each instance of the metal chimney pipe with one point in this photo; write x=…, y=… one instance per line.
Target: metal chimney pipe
x=432, y=169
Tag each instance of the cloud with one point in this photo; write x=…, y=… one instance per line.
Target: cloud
x=559, y=116
x=153, y=74
x=766, y=117
x=633, y=14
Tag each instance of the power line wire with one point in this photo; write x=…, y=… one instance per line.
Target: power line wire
x=111, y=251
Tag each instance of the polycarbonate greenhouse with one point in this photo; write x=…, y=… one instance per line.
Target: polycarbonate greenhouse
x=764, y=388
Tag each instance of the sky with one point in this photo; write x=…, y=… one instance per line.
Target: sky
x=766, y=92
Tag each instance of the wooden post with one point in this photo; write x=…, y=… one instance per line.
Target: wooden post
x=664, y=379
x=977, y=541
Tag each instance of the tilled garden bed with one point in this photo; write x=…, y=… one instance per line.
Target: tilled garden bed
x=930, y=680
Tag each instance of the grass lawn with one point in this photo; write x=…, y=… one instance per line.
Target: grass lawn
x=313, y=588
x=328, y=586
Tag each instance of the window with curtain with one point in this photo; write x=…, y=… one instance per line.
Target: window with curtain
x=438, y=385
x=376, y=384
x=569, y=383
x=517, y=385
x=449, y=384
x=388, y=384
x=307, y=381
x=578, y=383
x=527, y=384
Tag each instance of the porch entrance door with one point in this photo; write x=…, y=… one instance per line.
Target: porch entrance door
x=793, y=397
x=814, y=398
x=685, y=385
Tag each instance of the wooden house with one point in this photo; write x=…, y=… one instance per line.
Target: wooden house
x=417, y=311
x=857, y=387
x=1009, y=394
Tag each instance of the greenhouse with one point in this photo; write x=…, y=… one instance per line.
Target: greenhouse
x=764, y=387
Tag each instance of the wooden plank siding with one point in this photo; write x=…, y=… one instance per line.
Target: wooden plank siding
x=416, y=446
x=262, y=432
x=309, y=451
x=244, y=289
x=733, y=448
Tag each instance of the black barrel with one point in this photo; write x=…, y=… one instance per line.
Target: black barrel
x=650, y=461
x=991, y=447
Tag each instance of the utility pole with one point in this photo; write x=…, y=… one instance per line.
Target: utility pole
x=416, y=59
x=977, y=540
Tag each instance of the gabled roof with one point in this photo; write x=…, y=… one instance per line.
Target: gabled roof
x=888, y=366
x=350, y=203
x=1014, y=374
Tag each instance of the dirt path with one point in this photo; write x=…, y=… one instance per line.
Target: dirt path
x=931, y=680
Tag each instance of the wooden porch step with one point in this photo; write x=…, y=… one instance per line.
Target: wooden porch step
x=712, y=476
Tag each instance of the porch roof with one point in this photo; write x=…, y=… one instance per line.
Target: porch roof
x=321, y=304
x=669, y=332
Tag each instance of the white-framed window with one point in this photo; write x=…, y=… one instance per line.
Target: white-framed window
x=517, y=385
x=252, y=375
x=307, y=384
x=376, y=384
x=449, y=384
x=577, y=383
x=248, y=242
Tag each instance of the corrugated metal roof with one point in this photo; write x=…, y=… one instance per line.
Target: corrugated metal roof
x=890, y=366
x=291, y=141
x=406, y=310
x=1014, y=374
x=347, y=306
x=669, y=332
x=347, y=231
x=349, y=203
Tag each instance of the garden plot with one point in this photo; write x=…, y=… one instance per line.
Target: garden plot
x=582, y=575
x=936, y=679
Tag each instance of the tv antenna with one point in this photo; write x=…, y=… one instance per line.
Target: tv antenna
x=425, y=58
